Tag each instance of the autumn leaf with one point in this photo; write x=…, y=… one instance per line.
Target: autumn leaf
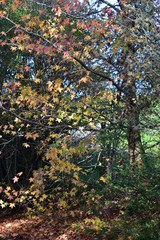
x=42, y=12
x=5, y=84
x=58, y=120
x=12, y=205
x=84, y=80
x=103, y=179
x=28, y=135
x=76, y=176
x=10, y=197
x=31, y=180
x=59, y=12
x=13, y=48
x=1, y=189
x=15, y=179
x=66, y=21
x=66, y=54
x=66, y=7
x=35, y=136
x=26, y=145
x=27, y=68
x=15, y=193
x=87, y=38
x=37, y=80
x=47, y=50
x=8, y=188
x=19, y=174
x=3, y=33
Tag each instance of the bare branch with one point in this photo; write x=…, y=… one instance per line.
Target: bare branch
x=110, y=5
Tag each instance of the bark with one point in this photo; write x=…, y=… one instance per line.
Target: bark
x=135, y=147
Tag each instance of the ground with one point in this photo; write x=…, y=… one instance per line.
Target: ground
x=20, y=227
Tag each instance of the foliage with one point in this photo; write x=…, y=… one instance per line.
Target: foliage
x=79, y=101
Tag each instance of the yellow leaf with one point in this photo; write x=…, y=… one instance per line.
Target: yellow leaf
x=8, y=188
x=72, y=94
x=58, y=120
x=5, y=84
x=83, y=80
x=35, y=116
x=35, y=136
x=20, y=173
x=26, y=145
x=19, y=76
x=87, y=38
x=28, y=135
x=37, y=80
x=44, y=196
x=14, y=133
x=12, y=205
x=21, y=47
x=57, y=67
x=103, y=179
x=31, y=180
x=13, y=48
x=76, y=176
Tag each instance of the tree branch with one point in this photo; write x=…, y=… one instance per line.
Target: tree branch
x=99, y=74
x=110, y=5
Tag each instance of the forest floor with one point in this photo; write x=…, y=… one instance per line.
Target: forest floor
x=17, y=226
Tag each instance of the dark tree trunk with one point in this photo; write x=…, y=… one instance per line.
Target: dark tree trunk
x=135, y=147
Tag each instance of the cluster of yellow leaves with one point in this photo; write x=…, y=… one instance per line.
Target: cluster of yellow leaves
x=95, y=223
x=32, y=135
x=33, y=22
x=10, y=195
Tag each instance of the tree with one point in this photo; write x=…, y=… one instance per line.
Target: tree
x=78, y=104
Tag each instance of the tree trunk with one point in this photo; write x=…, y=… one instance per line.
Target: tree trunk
x=133, y=135
x=135, y=147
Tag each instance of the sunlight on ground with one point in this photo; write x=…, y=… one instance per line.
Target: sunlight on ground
x=8, y=227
